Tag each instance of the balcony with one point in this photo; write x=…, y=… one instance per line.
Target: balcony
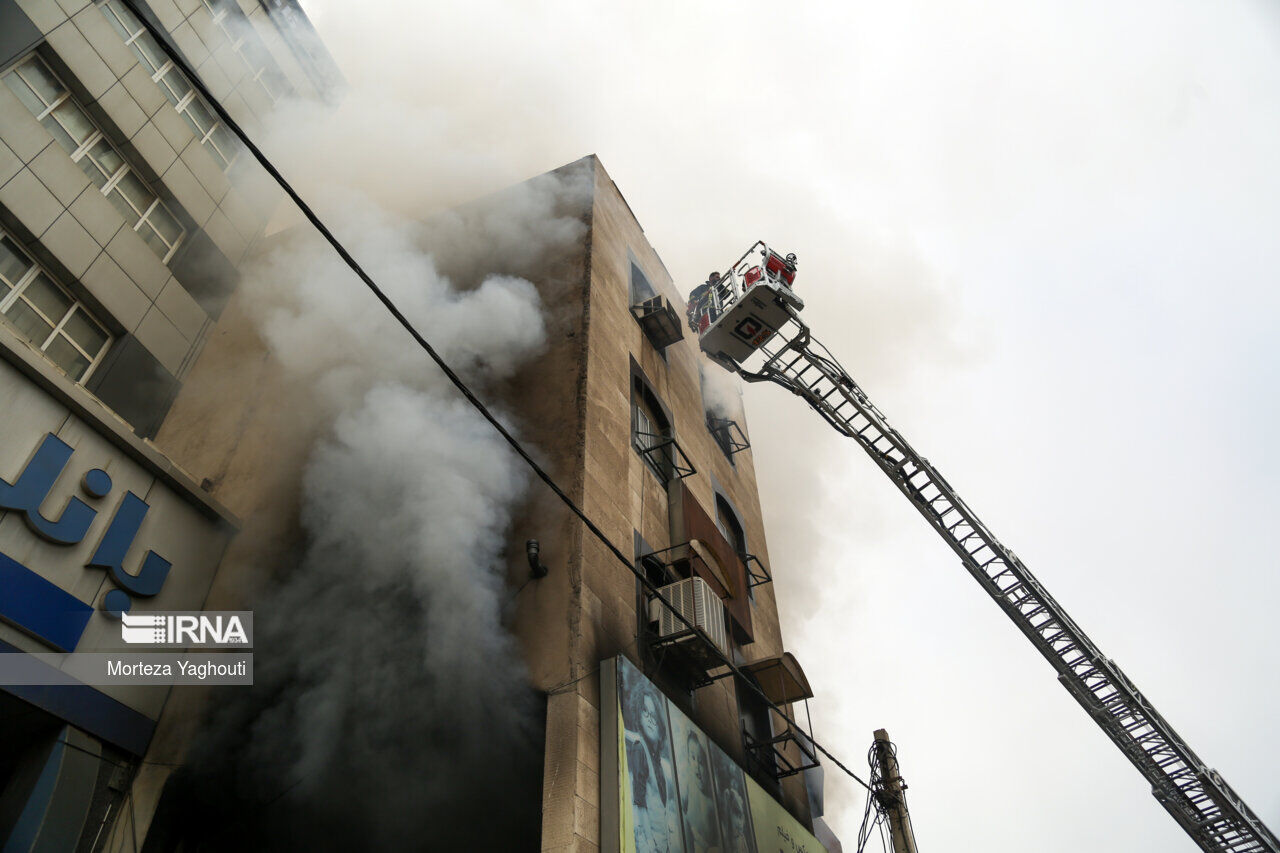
x=790, y=751
x=782, y=755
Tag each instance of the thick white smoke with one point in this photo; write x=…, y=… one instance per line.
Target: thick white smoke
x=721, y=391
x=389, y=698
x=326, y=328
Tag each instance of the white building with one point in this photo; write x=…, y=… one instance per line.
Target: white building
x=125, y=210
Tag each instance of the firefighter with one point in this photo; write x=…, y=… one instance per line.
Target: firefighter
x=701, y=302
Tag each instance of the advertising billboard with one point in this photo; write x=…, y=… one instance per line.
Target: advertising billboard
x=667, y=788
x=95, y=524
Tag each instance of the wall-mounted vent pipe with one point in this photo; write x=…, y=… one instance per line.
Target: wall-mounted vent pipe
x=536, y=568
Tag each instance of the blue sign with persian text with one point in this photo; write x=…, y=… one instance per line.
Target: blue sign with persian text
x=42, y=608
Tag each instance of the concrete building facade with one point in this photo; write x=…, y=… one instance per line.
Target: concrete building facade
x=688, y=508
x=641, y=439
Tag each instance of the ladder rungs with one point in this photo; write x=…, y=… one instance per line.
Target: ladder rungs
x=1116, y=707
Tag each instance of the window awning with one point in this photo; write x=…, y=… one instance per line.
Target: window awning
x=781, y=678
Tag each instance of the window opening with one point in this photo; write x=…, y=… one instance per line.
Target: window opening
x=641, y=289
x=756, y=722
x=722, y=406
x=56, y=323
x=50, y=102
x=788, y=750
x=658, y=570
x=727, y=523
x=728, y=435
x=211, y=132
x=249, y=47
x=652, y=437
x=659, y=321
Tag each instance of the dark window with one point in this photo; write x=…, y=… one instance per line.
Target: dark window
x=641, y=289
x=727, y=521
x=652, y=436
x=757, y=731
x=728, y=436
x=660, y=322
x=650, y=430
x=722, y=404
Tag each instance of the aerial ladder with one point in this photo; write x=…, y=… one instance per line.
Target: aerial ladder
x=748, y=321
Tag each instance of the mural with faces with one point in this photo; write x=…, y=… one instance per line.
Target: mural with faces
x=697, y=787
x=654, y=801
x=681, y=793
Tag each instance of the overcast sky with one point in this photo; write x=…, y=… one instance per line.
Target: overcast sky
x=1042, y=236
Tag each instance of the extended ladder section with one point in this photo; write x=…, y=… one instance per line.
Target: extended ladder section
x=1199, y=799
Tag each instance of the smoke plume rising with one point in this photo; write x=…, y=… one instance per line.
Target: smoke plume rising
x=1028, y=177
x=721, y=391
x=391, y=709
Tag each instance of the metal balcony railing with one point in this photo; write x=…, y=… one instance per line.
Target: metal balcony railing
x=757, y=573
x=727, y=434
x=667, y=459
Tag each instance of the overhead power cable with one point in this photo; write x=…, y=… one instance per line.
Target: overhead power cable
x=180, y=61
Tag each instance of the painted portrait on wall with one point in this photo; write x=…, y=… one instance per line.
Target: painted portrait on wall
x=650, y=765
x=678, y=791
x=736, y=832
x=697, y=787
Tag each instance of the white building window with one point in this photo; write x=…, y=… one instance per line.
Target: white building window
x=46, y=315
x=51, y=103
x=212, y=133
x=249, y=47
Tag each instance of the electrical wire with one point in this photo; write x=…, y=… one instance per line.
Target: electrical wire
x=865, y=829
x=230, y=123
x=874, y=815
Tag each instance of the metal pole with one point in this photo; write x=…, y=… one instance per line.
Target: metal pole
x=889, y=792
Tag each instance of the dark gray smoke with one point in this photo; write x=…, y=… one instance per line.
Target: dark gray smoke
x=391, y=708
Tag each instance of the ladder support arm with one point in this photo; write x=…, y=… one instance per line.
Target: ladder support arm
x=1197, y=797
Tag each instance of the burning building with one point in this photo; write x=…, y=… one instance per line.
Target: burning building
x=446, y=656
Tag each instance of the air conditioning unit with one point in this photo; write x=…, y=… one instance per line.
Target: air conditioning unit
x=693, y=599
x=659, y=320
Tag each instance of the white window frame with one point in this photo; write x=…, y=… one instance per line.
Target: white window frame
x=15, y=293
x=221, y=14
x=161, y=76
x=50, y=106
x=207, y=138
x=95, y=136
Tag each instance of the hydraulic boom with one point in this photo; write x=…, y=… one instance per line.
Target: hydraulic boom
x=748, y=321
